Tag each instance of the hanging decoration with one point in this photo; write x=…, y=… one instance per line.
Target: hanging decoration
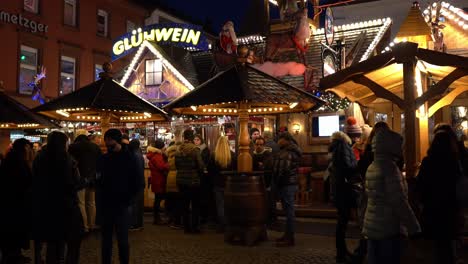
x=37, y=94
x=334, y=102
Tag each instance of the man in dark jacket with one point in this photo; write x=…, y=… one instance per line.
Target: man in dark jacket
x=189, y=167
x=86, y=153
x=284, y=182
x=269, y=142
x=263, y=161
x=118, y=184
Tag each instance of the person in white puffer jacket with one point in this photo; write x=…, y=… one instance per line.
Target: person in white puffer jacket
x=388, y=214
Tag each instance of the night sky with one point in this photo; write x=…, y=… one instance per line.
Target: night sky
x=213, y=13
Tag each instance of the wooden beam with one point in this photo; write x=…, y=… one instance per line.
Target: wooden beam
x=441, y=86
x=379, y=91
x=446, y=100
x=364, y=67
x=442, y=59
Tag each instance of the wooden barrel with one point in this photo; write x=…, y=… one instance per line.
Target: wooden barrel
x=245, y=207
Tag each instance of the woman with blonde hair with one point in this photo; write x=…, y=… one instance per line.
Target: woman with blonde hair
x=223, y=159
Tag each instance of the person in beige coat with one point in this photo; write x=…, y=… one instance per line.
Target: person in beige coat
x=173, y=199
x=388, y=214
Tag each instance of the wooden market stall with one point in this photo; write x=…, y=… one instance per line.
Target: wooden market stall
x=243, y=91
x=402, y=77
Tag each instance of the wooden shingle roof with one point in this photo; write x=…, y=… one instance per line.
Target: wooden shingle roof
x=414, y=24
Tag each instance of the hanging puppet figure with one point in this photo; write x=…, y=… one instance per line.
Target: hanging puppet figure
x=37, y=92
x=227, y=38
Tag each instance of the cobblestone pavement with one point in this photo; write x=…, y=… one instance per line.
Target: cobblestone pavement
x=160, y=244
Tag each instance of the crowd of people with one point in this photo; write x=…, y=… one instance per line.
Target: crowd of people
x=366, y=175
x=57, y=193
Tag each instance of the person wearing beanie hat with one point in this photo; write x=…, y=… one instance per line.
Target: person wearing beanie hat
x=118, y=183
x=352, y=129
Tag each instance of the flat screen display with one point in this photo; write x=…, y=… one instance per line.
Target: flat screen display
x=328, y=125
x=325, y=126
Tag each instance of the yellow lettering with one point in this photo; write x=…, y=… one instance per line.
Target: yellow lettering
x=149, y=35
x=135, y=42
x=118, y=47
x=163, y=34
x=127, y=45
x=184, y=35
x=176, y=35
x=193, y=37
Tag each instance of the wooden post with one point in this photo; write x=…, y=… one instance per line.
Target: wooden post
x=410, y=117
x=105, y=124
x=244, y=159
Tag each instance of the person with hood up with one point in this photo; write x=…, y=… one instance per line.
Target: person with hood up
x=138, y=203
x=190, y=167
x=284, y=183
x=388, y=214
x=342, y=173
x=159, y=168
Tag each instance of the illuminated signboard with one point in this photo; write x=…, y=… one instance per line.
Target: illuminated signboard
x=181, y=35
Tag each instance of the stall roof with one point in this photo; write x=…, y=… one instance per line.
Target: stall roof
x=244, y=83
x=16, y=115
x=102, y=95
x=386, y=70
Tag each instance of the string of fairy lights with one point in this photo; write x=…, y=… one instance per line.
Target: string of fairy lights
x=334, y=102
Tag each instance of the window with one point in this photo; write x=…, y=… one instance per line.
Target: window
x=102, y=22
x=31, y=6
x=97, y=69
x=67, y=75
x=28, y=69
x=69, y=12
x=153, y=72
x=130, y=26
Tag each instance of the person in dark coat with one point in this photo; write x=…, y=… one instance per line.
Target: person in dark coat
x=159, y=168
x=441, y=211
x=15, y=201
x=56, y=218
x=207, y=201
x=190, y=167
x=269, y=142
x=138, y=204
x=86, y=153
x=254, y=134
x=118, y=183
x=342, y=167
x=284, y=183
x=222, y=160
x=262, y=157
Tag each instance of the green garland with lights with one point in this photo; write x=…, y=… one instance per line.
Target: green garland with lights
x=334, y=102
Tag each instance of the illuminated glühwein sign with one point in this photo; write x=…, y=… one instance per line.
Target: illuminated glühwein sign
x=181, y=35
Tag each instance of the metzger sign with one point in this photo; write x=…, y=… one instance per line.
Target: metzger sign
x=182, y=35
x=32, y=25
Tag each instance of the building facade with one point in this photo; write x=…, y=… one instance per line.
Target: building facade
x=70, y=38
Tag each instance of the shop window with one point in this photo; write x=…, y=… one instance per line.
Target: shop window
x=153, y=72
x=28, y=69
x=97, y=69
x=130, y=26
x=69, y=13
x=381, y=117
x=67, y=75
x=102, y=23
x=31, y=6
